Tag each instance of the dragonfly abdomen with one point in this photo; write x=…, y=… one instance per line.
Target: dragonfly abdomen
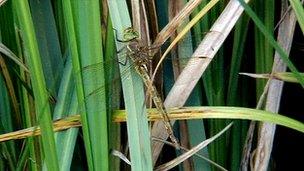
x=142, y=71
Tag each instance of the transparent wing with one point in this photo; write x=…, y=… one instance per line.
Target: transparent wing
x=112, y=80
x=113, y=77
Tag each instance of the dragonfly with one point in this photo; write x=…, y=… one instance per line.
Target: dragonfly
x=140, y=57
x=141, y=61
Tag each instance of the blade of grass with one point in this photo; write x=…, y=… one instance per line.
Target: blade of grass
x=23, y=157
x=2, y=165
x=200, y=29
x=266, y=130
x=220, y=112
x=58, y=125
x=71, y=36
x=12, y=56
x=137, y=124
x=30, y=119
x=8, y=44
x=90, y=50
x=272, y=41
x=66, y=140
x=28, y=122
x=174, y=7
x=196, y=67
x=299, y=12
x=169, y=29
x=213, y=81
x=38, y=83
x=264, y=51
x=198, y=112
x=10, y=37
x=113, y=95
x=196, y=155
x=240, y=35
x=49, y=47
x=11, y=91
x=9, y=100
x=2, y=2
x=191, y=152
x=189, y=129
x=184, y=31
x=282, y=76
x=259, y=42
x=6, y=125
x=66, y=105
x=9, y=160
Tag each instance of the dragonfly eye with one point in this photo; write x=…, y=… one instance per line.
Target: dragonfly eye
x=130, y=34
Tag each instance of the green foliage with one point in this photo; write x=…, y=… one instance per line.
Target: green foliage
x=59, y=58
x=133, y=93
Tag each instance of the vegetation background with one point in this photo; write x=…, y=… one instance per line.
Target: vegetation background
x=61, y=59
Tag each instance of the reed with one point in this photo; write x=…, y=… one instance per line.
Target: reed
x=71, y=99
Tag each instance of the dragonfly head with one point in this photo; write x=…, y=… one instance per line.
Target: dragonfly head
x=130, y=34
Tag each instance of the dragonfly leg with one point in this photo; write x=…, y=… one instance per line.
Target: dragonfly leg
x=120, y=50
x=123, y=63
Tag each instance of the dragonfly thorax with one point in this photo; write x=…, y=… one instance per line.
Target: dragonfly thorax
x=137, y=53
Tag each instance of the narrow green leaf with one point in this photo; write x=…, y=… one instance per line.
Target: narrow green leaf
x=91, y=52
x=23, y=157
x=28, y=122
x=137, y=124
x=272, y=41
x=196, y=128
x=239, y=39
x=297, y=6
x=233, y=97
x=191, y=152
x=113, y=95
x=71, y=36
x=6, y=125
x=38, y=83
x=220, y=112
x=66, y=104
x=283, y=76
x=49, y=47
x=213, y=81
x=12, y=56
